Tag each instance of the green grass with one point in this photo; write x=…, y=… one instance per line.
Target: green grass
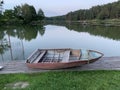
x=65, y=80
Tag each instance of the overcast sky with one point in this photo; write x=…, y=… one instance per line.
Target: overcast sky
x=56, y=7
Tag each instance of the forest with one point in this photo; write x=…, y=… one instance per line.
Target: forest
x=26, y=14
x=101, y=12
x=23, y=14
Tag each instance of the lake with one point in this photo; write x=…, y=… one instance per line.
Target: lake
x=18, y=42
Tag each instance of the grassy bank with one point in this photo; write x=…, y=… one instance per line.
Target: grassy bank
x=65, y=80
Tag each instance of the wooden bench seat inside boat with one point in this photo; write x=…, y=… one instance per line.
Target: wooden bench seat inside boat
x=85, y=55
x=66, y=56
x=75, y=55
x=39, y=57
x=33, y=56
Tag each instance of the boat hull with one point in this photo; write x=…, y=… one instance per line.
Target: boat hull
x=67, y=62
x=60, y=65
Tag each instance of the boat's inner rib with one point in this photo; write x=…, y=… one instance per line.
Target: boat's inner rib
x=60, y=56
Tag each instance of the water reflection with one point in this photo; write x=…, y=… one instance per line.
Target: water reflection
x=104, y=31
x=23, y=32
x=18, y=42
x=4, y=46
x=11, y=38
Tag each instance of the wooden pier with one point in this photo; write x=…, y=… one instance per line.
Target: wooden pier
x=105, y=63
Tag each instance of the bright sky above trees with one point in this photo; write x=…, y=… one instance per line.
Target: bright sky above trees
x=56, y=7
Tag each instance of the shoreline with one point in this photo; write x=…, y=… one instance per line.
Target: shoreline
x=97, y=22
x=105, y=63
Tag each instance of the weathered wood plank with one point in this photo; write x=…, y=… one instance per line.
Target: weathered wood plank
x=33, y=56
x=66, y=56
x=39, y=57
x=105, y=63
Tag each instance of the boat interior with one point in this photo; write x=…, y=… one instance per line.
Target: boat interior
x=60, y=55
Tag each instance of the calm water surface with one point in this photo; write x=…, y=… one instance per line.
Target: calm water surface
x=17, y=43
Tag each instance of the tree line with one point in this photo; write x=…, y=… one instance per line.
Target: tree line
x=22, y=14
x=107, y=11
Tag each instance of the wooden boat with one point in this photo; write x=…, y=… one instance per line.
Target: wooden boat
x=61, y=58
x=1, y=67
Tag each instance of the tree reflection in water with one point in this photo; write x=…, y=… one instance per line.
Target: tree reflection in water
x=18, y=36
x=4, y=46
x=110, y=32
x=24, y=32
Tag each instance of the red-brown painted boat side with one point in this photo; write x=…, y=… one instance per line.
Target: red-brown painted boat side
x=59, y=65
x=55, y=65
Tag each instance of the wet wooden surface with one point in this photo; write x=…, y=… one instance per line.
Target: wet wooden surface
x=105, y=63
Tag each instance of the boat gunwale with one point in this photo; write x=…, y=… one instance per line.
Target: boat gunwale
x=70, y=61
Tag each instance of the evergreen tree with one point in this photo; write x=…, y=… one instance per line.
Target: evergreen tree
x=107, y=11
x=40, y=14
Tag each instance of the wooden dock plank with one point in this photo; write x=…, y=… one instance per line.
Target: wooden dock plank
x=105, y=63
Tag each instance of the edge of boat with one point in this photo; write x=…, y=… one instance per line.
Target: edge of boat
x=59, y=65
x=1, y=67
